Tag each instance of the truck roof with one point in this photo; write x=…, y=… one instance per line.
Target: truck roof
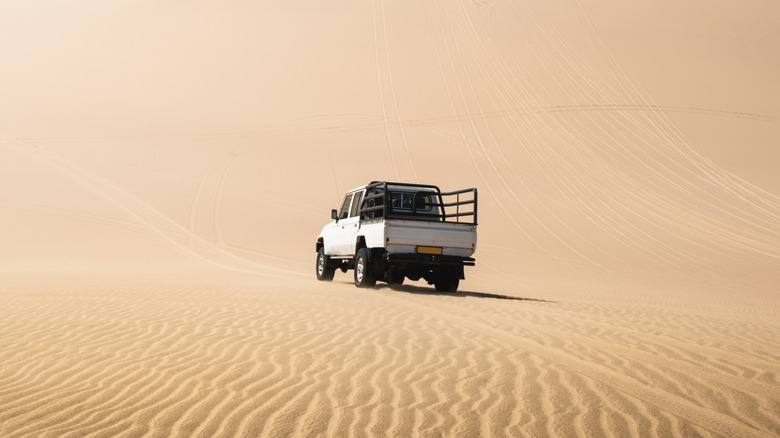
x=401, y=186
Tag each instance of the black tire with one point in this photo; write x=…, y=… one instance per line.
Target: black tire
x=447, y=284
x=323, y=268
x=396, y=278
x=363, y=275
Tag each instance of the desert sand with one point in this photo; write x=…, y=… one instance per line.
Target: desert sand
x=165, y=168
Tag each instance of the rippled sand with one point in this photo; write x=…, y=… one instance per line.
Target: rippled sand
x=240, y=358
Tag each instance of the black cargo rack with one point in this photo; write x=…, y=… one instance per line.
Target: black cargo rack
x=375, y=203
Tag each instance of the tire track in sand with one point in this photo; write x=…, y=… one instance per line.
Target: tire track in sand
x=216, y=227
x=393, y=94
x=151, y=218
x=380, y=87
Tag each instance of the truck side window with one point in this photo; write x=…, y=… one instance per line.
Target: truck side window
x=344, y=212
x=356, y=204
x=396, y=200
x=422, y=202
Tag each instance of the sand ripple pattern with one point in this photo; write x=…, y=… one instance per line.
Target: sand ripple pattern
x=107, y=360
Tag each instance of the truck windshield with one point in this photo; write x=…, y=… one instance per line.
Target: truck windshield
x=344, y=211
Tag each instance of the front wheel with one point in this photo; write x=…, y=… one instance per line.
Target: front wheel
x=363, y=275
x=324, y=270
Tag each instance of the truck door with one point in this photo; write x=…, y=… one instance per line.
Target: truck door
x=345, y=230
x=334, y=232
x=352, y=224
x=341, y=237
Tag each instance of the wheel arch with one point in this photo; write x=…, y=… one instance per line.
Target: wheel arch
x=360, y=243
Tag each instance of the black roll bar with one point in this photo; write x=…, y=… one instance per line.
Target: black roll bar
x=376, y=199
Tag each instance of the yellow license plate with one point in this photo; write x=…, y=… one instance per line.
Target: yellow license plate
x=429, y=250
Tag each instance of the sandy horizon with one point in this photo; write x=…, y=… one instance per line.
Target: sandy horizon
x=166, y=170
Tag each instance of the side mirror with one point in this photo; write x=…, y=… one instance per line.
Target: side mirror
x=334, y=214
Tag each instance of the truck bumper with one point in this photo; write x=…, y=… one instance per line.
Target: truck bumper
x=429, y=259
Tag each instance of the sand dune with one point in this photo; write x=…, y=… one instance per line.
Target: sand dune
x=165, y=171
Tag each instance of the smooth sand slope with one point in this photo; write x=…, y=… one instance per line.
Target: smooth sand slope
x=165, y=170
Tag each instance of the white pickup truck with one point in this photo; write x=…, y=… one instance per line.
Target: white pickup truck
x=389, y=231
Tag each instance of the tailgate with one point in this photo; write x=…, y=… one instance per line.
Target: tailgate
x=454, y=239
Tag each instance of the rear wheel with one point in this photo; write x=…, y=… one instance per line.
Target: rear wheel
x=447, y=284
x=396, y=278
x=324, y=270
x=363, y=274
